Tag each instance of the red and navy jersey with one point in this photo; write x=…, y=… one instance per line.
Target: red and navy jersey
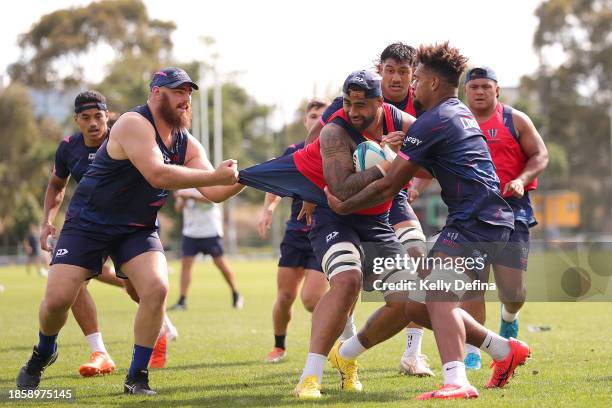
x=73, y=157
x=447, y=141
x=309, y=163
x=113, y=193
x=503, y=142
x=508, y=157
x=296, y=205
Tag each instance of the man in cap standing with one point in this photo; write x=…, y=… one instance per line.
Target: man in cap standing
x=114, y=212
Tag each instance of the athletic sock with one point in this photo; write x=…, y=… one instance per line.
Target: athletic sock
x=182, y=300
x=314, y=366
x=470, y=349
x=235, y=296
x=140, y=359
x=279, y=341
x=349, y=328
x=495, y=346
x=351, y=349
x=95, y=342
x=46, y=344
x=414, y=338
x=454, y=373
x=508, y=316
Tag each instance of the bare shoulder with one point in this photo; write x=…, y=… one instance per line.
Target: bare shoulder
x=334, y=137
x=521, y=120
x=131, y=123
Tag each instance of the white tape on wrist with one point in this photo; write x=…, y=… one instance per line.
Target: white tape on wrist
x=384, y=173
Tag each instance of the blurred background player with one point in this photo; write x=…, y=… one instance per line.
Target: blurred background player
x=396, y=65
x=34, y=256
x=519, y=155
x=297, y=262
x=202, y=232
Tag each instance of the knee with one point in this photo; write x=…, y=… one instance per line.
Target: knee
x=285, y=298
x=57, y=303
x=348, y=283
x=132, y=292
x=155, y=294
x=515, y=294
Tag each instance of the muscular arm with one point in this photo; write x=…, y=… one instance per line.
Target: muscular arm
x=532, y=145
x=338, y=168
x=380, y=190
x=132, y=138
x=196, y=159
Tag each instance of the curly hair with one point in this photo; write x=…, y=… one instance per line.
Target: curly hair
x=400, y=52
x=444, y=60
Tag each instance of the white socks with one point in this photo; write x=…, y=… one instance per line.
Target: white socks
x=314, y=366
x=495, y=346
x=349, y=329
x=507, y=316
x=351, y=349
x=468, y=348
x=414, y=338
x=96, y=343
x=454, y=373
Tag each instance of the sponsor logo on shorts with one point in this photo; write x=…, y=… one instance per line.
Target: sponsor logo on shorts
x=331, y=236
x=61, y=252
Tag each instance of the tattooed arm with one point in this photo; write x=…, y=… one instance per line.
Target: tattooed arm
x=379, y=191
x=338, y=167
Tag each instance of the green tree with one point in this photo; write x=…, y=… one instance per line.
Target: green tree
x=58, y=40
x=575, y=96
x=24, y=161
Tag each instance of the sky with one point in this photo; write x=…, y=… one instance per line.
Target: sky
x=282, y=52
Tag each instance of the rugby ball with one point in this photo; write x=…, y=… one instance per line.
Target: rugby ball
x=368, y=154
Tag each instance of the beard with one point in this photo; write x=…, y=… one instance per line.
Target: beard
x=365, y=122
x=172, y=117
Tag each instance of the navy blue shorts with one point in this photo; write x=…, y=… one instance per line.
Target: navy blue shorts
x=516, y=252
x=371, y=234
x=296, y=251
x=82, y=247
x=212, y=246
x=280, y=177
x=400, y=209
x=472, y=239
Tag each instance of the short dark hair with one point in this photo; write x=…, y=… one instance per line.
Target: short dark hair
x=316, y=103
x=444, y=60
x=87, y=97
x=400, y=52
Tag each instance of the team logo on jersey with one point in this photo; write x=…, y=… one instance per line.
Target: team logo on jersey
x=331, y=236
x=91, y=156
x=492, y=133
x=468, y=122
x=61, y=252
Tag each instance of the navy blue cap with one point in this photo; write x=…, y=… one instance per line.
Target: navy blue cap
x=366, y=80
x=171, y=77
x=481, y=72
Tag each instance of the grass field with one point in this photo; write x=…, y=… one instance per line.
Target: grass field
x=218, y=359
